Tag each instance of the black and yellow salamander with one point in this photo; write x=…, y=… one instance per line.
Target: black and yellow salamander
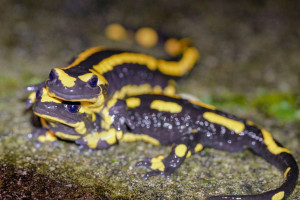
x=188, y=126
x=97, y=74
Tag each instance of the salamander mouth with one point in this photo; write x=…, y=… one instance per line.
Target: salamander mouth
x=72, y=97
x=54, y=117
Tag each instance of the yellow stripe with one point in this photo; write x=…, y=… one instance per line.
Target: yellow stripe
x=189, y=58
x=211, y=107
x=130, y=137
x=271, y=145
x=133, y=102
x=64, y=136
x=83, y=55
x=108, y=64
x=286, y=172
x=231, y=124
x=166, y=106
x=278, y=196
x=66, y=80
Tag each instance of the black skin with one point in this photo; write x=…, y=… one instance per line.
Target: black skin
x=188, y=127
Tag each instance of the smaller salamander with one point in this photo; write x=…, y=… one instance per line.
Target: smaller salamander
x=187, y=125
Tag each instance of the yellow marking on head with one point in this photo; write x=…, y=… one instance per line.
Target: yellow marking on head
x=48, y=137
x=198, y=148
x=146, y=37
x=109, y=63
x=86, y=77
x=199, y=103
x=180, y=150
x=231, y=124
x=166, y=106
x=65, y=136
x=131, y=137
x=66, y=80
x=156, y=163
x=83, y=55
x=286, y=172
x=173, y=68
x=133, y=102
x=271, y=145
x=188, y=154
x=46, y=98
x=115, y=32
x=278, y=196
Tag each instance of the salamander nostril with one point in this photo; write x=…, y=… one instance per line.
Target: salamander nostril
x=52, y=75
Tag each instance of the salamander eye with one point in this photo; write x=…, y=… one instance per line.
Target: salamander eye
x=38, y=94
x=52, y=75
x=93, y=81
x=73, y=108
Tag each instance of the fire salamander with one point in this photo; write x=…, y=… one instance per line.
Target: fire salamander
x=188, y=126
x=97, y=74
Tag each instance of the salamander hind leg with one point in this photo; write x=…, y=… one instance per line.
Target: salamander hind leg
x=166, y=166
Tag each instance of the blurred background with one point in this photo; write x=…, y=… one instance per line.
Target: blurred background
x=249, y=66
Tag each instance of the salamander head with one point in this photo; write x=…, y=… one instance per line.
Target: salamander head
x=71, y=114
x=76, y=86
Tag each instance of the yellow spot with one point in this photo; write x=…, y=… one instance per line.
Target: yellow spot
x=173, y=68
x=92, y=140
x=115, y=32
x=130, y=137
x=80, y=127
x=109, y=63
x=46, y=98
x=170, y=90
x=32, y=96
x=286, y=172
x=188, y=154
x=146, y=37
x=65, y=79
x=48, y=137
x=173, y=47
x=199, y=103
x=86, y=77
x=250, y=123
x=165, y=106
x=133, y=102
x=231, y=124
x=198, y=147
x=109, y=136
x=156, y=163
x=278, y=196
x=180, y=150
x=65, y=136
x=157, y=89
x=271, y=145
x=83, y=55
